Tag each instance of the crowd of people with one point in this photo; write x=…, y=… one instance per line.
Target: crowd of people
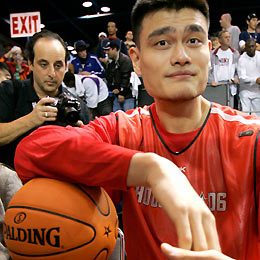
x=235, y=63
x=175, y=153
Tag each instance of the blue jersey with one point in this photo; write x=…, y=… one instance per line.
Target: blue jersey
x=92, y=65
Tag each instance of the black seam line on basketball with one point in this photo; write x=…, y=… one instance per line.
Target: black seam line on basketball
x=56, y=253
x=58, y=214
x=190, y=144
x=104, y=214
x=53, y=213
x=101, y=251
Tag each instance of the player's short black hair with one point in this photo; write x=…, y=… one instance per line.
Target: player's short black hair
x=144, y=7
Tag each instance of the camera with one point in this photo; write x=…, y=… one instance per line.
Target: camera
x=68, y=109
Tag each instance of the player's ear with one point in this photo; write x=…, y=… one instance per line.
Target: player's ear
x=135, y=57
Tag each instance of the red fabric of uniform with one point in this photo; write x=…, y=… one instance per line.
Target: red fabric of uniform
x=219, y=164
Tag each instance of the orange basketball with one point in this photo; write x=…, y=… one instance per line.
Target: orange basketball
x=51, y=219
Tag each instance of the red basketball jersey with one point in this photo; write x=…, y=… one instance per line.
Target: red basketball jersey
x=218, y=161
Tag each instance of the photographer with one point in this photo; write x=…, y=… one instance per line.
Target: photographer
x=26, y=105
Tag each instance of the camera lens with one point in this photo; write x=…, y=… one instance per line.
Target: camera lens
x=71, y=115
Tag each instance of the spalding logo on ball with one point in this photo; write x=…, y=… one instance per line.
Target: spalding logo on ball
x=51, y=219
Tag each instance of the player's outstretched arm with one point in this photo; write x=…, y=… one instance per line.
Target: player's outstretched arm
x=173, y=253
x=193, y=220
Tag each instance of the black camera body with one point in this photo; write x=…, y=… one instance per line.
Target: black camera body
x=68, y=109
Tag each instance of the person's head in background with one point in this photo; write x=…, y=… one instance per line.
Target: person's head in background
x=112, y=49
x=224, y=39
x=5, y=72
x=225, y=20
x=111, y=29
x=102, y=36
x=251, y=47
x=82, y=48
x=47, y=56
x=252, y=21
x=129, y=36
x=215, y=42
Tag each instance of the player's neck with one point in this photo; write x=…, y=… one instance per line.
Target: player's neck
x=182, y=117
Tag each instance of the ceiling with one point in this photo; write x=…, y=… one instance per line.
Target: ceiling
x=63, y=16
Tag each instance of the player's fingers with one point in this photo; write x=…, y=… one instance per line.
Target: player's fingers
x=173, y=253
x=183, y=229
x=211, y=233
x=199, y=241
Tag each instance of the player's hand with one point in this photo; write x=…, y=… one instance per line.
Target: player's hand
x=194, y=222
x=42, y=112
x=79, y=123
x=173, y=253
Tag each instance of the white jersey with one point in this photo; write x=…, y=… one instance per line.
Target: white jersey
x=96, y=90
x=91, y=88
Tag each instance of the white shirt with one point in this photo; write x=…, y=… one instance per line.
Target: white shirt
x=91, y=87
x=248, y=72
x=225, y=59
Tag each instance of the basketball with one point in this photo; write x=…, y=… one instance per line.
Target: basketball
x=51, y=219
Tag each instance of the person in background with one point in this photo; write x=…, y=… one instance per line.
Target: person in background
x=102, y=36
x=252, y=21
x=225, y=23
x=112, y=35
x=118, y=73
x=15, y=60
x=129, y=40
x=26, y=104
x=249, y=77
x=215, y=42
x=92, y=89
x=9, y=185
x=5, y=72
x=223, y=71
x=85, y=63
x=102, y=40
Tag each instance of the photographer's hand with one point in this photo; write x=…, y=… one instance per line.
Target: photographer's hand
x=79, y=123
x=42, y=112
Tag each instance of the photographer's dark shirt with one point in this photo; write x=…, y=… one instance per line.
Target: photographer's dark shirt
x=17, y=99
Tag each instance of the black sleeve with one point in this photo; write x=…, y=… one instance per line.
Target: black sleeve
x=7, y=101
x=125, y=70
